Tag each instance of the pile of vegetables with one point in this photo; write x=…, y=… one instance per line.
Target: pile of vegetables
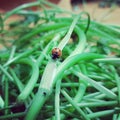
x=57, y=65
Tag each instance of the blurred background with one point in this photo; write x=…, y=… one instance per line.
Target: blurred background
x=107, y=11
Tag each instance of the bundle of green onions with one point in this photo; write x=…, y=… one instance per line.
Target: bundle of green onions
x=55, y=67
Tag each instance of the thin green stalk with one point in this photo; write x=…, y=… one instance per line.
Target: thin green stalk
x=14, y=11
x=95, y=104
x=68, y=35
x=107, y=27
x=96, y=77
x=82, y=38
x=38, y=29
x=118, y=116
x=100, y=96
x=69, y=114
x=6, y=73
x=81, y=23
x=47, y=77
x=88, y=21
x=32, y=81
x=15, y=115
x=69, y=84
x=92, y=95
x=84, y=116
x=82, y=42
x=17, y=81
x=12, y=52
x=6, y=93
x=20, y=86
x=108, y=60
x=50, y=35
x=114, y=117
x=22, y=55
x=57, y=100
x=78, y=97
x=111, y=39
x=44, y=11
x=101, y=88
x=88, y=110
x=73, y=60
x=80, y=93
x=117, y=78
x=83, y=69
x=1, y=102
x=101, y=114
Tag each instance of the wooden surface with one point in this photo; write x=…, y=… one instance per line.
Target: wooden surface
x=105, y=15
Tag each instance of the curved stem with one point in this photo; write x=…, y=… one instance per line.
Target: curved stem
x=31, y=82
x=14, y=11
x=73, y=60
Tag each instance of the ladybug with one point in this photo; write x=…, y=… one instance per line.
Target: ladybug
x=56, y=53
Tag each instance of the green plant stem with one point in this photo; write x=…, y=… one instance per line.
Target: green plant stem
x=73, y=60
x=6, y=94
x=117, y=78
x=12, y=52
x=118, y=116
x=15, y=115
x=32, y=81
x=50, y=35
x=44, y=90
x=57, y=100
x=6, y=73
x=98, y=86
x=70, y=114
x=74, y=105
x=48, y=77
x=14, y=11
x=37, y=103
x=22, y=55
x=109, y=60
x=100, y=96
x=82, y=42
x=1, y=102
x=94, y=104
x=17, y=81
x=20, y=86
x=78, y=97
x=66, y=84
x=101, y=114
x=68, y=35
x=41, y=28
x=79, y=94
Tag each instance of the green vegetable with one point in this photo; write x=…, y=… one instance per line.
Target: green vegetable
x=83, y=84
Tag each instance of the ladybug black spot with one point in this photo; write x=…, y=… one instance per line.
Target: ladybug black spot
x=56, y=53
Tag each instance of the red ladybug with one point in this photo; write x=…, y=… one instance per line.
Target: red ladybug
x=56, y=53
